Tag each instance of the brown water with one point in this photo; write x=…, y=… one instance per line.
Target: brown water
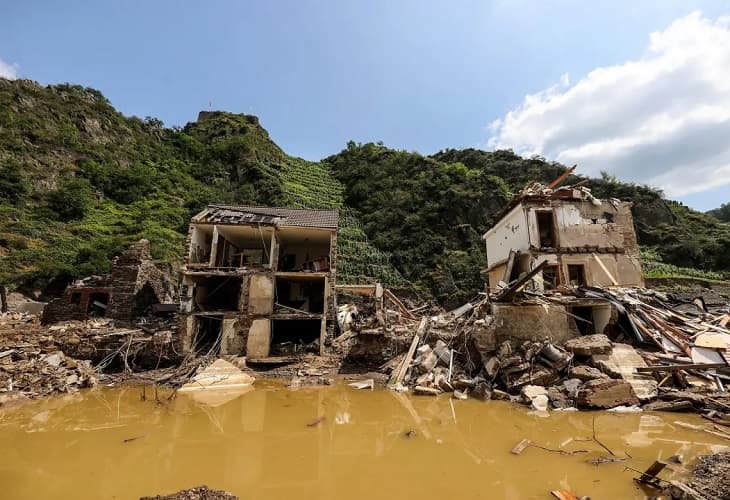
x=259, y=446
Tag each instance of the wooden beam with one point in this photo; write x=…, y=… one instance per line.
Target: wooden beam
x=400, y=373
x=510, y=266
x=605, y=269
x=511, y=290
x=674, y=368
x=401, y=307
x=562, y=177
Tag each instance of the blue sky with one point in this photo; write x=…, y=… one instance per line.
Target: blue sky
x=417, y=75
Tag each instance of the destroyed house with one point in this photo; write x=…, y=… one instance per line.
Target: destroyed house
x=259, y=281
x=581, y=239
x=136, y=286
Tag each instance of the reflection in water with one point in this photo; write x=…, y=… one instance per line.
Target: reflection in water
x=108, y=443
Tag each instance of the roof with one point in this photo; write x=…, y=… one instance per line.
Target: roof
x=243, y=214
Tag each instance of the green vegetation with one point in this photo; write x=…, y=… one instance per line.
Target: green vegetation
x=722, y=213
x=653, y=267
x=79, y=181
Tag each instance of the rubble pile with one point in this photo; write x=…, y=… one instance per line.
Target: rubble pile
x=37, y=361
x=26, y=371
x=11, y=321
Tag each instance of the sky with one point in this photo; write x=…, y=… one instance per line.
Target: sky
x=640, y=90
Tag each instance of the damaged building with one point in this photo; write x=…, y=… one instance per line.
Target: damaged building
x=258, y=281
x=135, y=286
x=551, y=238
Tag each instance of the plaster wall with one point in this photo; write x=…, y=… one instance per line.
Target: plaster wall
x=510, y=233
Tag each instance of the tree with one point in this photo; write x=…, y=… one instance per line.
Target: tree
x=722, y=213
x=72, y=199
x=13, y=186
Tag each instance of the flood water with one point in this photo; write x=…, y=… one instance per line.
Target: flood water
x=109, y=444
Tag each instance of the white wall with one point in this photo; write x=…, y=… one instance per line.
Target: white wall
x=510, y=233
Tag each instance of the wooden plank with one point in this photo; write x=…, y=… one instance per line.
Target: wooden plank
x=649, y=475
x=510, y=291
x=521, y=446
x=605, y=269
x=510, y=266
x=699, y=428
x=400, y=373
x=401, y=307
x=725, y=320
x=671, y=368
x=562, y=177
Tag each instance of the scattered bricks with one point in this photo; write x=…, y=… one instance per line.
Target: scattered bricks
x=492, y=366
x=585, y=373
x=55, y=359
x=482, y=391
x=426, y=391
x=606, y=393
x=588, y=345
x=537, y=376
x=557, y=398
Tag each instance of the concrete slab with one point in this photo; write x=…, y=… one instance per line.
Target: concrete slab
x=219, y=375
x=623, y=362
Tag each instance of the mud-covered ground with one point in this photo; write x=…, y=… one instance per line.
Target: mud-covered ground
x=711, y=476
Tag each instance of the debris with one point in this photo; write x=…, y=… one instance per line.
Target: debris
x=459, y=395
x=588, y=345
x=624, y=362
x=219, y=375
x=699, y=428
x=363, y=384
x=521, y=446
x=649, y=476
x=197, y=493
x=316, y=421
x=426, y=391
x=540, y=402
x=681, y=405
x=586, y=373
x=606, y=393
x=530, y=392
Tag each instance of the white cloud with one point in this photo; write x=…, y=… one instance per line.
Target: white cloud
x=663, y=119
x=9, y=71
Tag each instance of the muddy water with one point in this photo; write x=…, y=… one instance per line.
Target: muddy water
x=108, y=444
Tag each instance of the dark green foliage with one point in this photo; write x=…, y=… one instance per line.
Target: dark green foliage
x=428, y=214
x=71, y=200
x=722, y=213
x=14, y=187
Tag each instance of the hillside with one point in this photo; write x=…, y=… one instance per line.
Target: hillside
x=79, y=181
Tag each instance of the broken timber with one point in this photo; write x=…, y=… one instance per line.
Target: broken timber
x=400, y=372
x=509, y=292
